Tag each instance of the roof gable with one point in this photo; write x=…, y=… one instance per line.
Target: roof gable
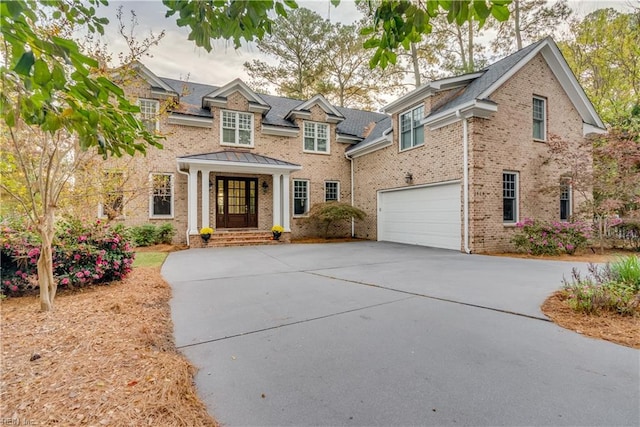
x=304, y=110
x=219, y=96
x=475, y=96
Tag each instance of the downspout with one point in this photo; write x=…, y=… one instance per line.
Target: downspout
x=187, y=175
x=353, y=221
x=465, y=179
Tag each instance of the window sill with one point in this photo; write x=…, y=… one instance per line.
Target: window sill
x=228, y=144
x=539, y=140
x=510, y=224
x=324, y=153
x=160, y=216
x=411, y=148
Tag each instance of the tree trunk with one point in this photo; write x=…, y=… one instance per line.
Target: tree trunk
x=47, y=284
x=516, y=23
x=470, y=63
x=416, y=67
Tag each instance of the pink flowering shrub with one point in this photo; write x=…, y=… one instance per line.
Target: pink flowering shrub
x=544, y=238
x=82, y=255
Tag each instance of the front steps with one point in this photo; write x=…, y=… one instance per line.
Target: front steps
x=244, y=237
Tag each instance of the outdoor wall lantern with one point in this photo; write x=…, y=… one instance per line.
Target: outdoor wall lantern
x=265, y=187
x=408, y=178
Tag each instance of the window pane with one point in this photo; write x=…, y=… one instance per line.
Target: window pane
x=229, y=136
x=405, y=122
x=330, y=191
x=300, y=198
x=309, y=144
x=405, y=140
x=509, y=197
x=539, y=115
x=162, y=194
x=322, y=145
x=418, y=136
x=245, y=137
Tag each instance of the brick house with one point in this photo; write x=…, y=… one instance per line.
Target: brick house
x=452, y=164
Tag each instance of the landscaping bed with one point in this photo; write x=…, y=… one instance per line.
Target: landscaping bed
x=104, y=356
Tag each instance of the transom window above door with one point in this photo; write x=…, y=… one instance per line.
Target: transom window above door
x=316, y=137
x=237, y=128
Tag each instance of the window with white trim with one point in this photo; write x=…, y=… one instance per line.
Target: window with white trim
x=300, y=196
x=316, y=137
x=411, y=129
x=112, y=203
x=331, y=191
x=509, y=197
x=161, y=200
x=149, y=109
x=565, y=200
x=236, y=128
x=539, y=118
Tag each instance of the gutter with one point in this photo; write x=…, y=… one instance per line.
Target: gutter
x=465, y=178
x=180, y=171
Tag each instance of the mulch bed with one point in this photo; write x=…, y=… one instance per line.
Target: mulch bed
x=105, y=356
x=624, y=330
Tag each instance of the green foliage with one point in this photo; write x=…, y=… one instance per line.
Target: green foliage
x=50, y=84
x=329, y=213
x=542, y=238
x=603, y=50
x=151, y=234
x=235, y=20
x=627, y=271
x=83, y=254
x=398, y=23
x=611, y=287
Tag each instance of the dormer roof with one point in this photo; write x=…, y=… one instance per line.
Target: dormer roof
x=218, y=97
x=303, y=111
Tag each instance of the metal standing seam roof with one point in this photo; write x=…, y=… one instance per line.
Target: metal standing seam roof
x=238, y=157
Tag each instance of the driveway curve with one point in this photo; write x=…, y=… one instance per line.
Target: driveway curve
x=372, y=333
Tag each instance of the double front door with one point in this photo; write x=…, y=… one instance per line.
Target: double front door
x=236, y=202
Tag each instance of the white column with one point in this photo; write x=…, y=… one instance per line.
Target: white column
x=277, y=202
x=205, y=198
x=192, y=198
x=286, y=204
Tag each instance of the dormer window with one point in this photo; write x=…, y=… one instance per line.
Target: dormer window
x=411, y=128
x=237, y=128
x=316, y=137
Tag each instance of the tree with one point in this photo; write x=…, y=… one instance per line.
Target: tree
x=530, y=20
x=603, y=51
x=315, y=56
x=297, y=42
x=330, y=213
x=59, y=109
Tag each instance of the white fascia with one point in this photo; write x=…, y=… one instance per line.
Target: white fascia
x=475, y=108
x=588, y=129
x=194, y=121
x=279, y=131
x=235, y=167
x=384, y=141
x=347, y=139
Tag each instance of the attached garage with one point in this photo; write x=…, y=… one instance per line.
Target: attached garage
x=426, y=215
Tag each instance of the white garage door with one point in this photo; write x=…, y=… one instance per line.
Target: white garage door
x=426, y=216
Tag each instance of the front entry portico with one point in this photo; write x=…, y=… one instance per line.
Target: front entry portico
x=233, y=178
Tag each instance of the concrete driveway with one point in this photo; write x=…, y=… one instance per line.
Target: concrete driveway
x=373, y=333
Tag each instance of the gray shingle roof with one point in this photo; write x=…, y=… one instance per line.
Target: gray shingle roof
x=191, y=95
x=239, y=157
x=491, y=74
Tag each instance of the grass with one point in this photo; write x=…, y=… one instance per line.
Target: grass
x=149, y=259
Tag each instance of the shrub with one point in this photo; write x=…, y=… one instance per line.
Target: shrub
x=165, y=233
x=329, y=213
x=150, y=234
x=627, y=270
x=82, y=255
x=604, y=289
x=144, y=235
x=543, y=238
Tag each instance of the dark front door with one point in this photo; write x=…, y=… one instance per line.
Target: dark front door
x=236, y=202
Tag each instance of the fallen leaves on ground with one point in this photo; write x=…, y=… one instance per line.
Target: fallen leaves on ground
x=624, y=330
x=106, y=357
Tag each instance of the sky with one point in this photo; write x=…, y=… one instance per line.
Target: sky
x=178, y=58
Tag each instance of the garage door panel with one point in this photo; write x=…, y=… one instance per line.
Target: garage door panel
x=428, y=216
